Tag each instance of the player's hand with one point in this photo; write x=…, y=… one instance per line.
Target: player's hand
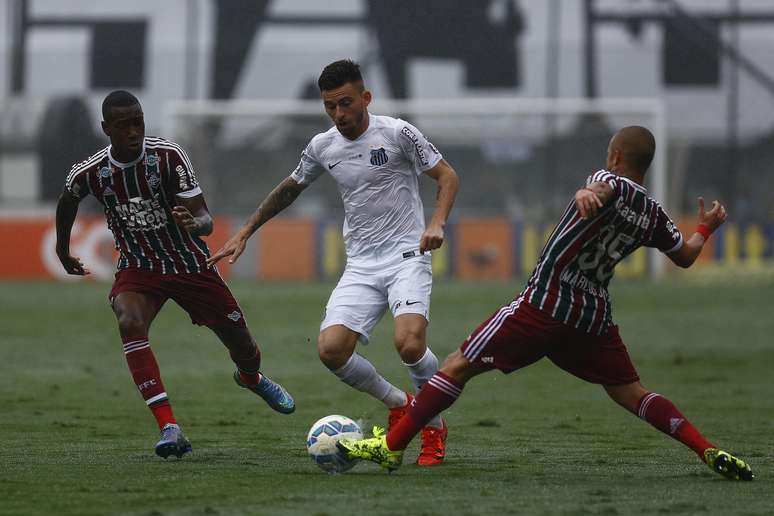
x=185, y=219
x=714, y=218
x=233, y=248
x=587, y=202
x=73, y=265
x=431, y=239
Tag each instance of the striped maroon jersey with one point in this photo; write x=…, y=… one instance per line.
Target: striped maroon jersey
x=138, y=198
x=575, y=267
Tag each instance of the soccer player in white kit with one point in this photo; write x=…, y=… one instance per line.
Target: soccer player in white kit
x=376, y=162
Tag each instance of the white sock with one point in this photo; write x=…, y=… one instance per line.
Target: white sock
x=359, y=373
x=420, y=372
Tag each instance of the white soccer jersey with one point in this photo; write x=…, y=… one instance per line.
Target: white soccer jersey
x=377, y=175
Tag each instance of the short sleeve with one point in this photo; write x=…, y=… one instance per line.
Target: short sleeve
x=182, y=174
x=603, y=176
x=309, y=167
x=416, y=147
x=76, y=182
x=666, y=236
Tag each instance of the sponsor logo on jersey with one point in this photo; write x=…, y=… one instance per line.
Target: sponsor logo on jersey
x=331, y=165
x=409, y=303
x=408, y=133
x=183, y=177
x=432, y=148
x=141, y=214
x=105, y=172
x=673, y=229
x=631, y=216
x=487, y=360
x=234, y=316
x=378, y=156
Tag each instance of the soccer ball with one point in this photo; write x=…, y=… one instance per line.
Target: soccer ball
x=322, y=438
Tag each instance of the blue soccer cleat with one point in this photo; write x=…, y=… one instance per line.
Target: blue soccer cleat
x=272, y=393
x=172, y=442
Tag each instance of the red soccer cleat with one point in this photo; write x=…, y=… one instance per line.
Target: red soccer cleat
x=398, y=412
x=433, y=448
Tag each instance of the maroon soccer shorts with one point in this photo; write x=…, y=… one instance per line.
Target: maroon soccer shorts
x=203, y=295
x=519, y=334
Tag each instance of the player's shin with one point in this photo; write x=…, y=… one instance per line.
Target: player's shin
x=360, y=374
x=662, y=414
x=438, y=394
x=248, y=365
x=145, y=371
x=420, y=373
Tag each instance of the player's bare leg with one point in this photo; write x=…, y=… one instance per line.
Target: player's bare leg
x=663, y=415
x=336, y=348
x=135, y=313
x=422, y=364
x=247, y=358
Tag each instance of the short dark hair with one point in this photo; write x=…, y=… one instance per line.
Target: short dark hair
x=637, y=145
x=339, y=73
x=118, y=98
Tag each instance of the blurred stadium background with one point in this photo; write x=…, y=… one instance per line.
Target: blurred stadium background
x=521, y=96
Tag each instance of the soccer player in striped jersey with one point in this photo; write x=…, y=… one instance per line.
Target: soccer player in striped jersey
x=157, y=213
x=564, y=312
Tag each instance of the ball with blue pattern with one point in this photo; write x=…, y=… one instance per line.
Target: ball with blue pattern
x=322, y=438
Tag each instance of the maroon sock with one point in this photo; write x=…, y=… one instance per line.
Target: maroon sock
x=434, y=397
x=145, y=372
x=661, y=413
x=248, y=367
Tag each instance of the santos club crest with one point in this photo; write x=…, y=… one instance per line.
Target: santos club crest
x=378, y=156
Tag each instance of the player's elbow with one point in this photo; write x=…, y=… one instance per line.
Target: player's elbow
x=449, y=179
x=684, y=261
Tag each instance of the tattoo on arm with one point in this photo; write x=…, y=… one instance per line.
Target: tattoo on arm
x=280, y=198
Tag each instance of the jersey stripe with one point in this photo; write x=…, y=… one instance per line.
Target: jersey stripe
x=135, y=210
x=577, y=261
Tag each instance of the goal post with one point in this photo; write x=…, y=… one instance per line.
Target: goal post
x=518, y=157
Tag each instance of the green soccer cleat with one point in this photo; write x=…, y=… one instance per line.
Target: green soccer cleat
x=727, y=465
x=373, y=449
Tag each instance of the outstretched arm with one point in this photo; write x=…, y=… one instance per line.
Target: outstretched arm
x=66, y=210
x=280, y=198
x=448, y=184
x=708, y=223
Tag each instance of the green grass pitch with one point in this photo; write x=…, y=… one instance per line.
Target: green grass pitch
x=75, y=437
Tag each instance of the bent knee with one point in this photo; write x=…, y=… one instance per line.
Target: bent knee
x=132, y=325
x=410, y=345
x=333, y=353
x=628, y=396
x=456, y=365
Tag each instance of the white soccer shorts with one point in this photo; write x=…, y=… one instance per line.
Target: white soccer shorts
x=364, y=293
